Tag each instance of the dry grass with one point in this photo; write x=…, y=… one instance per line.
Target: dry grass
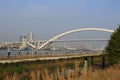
x=112, y=73
x=63, y=73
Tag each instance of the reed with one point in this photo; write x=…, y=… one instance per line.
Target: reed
x=64, y=73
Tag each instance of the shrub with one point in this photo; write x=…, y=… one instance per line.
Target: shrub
x=113, y=47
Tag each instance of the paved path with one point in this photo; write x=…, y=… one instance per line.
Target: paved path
x=50, y=58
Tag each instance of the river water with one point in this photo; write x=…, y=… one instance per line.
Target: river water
x=4, y=53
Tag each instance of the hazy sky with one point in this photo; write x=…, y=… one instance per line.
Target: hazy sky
x=47, y=18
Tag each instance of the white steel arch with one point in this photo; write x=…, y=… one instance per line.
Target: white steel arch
x=73, y=31
x=31, y=45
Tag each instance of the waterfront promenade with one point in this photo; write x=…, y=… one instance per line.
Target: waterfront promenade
x=55, y=57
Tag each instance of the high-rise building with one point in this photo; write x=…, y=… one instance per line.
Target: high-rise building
x=23, y=41
x=30, y=37
x=21, y=38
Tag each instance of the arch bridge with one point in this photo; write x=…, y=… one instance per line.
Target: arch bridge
x=69, y=32
x=57, y=37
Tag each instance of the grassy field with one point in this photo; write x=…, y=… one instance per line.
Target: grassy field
x=63, y=69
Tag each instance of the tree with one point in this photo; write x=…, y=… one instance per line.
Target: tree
x=113, y=47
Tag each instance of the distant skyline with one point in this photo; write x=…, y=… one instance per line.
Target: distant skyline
x=48, y=18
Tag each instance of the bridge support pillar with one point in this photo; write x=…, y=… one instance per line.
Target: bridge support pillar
x=103, y=61
x=92, y=60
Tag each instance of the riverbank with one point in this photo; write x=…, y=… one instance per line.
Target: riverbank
x=62, y=69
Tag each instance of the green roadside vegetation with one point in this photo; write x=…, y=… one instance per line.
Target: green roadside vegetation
x=51, y=65
x=113, y=47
